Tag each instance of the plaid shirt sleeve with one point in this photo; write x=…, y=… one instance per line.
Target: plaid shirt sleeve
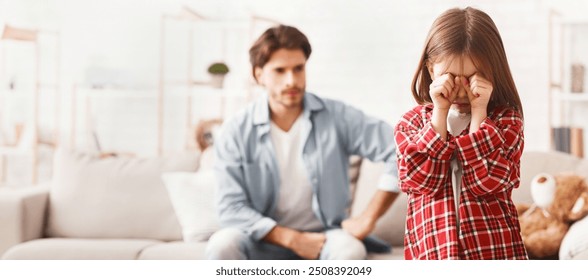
x=423, y=157
x=490, y=156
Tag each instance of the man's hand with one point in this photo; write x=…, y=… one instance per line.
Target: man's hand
x=308, y=245
x=360, y=227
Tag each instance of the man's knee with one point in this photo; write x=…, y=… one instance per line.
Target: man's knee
x=226, y=244
x=341, y=245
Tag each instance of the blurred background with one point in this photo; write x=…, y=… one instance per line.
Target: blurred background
x=135, y=77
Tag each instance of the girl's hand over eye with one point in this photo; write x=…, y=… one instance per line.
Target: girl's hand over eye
x=479, y=91
x=443, y=91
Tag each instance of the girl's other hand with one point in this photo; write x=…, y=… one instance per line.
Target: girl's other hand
x=479, y=92
x=443, y=91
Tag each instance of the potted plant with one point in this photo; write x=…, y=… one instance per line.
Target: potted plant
x=217, y=71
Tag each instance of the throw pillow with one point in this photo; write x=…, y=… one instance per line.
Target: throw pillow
x=574, y=242
x=192, y=197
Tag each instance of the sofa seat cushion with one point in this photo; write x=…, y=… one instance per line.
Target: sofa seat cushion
x=176, y=250
x=78, y=249
x=116, y=197
x=396, y=254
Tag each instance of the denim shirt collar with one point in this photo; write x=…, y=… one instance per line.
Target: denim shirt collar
x=261, y=113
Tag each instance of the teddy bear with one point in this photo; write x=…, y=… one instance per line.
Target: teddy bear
x=204, y=132
x=559, y=201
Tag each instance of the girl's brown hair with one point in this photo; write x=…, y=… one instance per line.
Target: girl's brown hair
x=468, y=32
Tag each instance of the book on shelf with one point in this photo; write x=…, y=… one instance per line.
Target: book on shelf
x=577, y=141
x=569, y=140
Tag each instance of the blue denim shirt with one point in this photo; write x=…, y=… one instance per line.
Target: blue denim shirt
x=247, y=169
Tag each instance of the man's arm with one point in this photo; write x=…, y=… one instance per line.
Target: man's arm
x=361, y=226
x=234, y=205
x=368, y=137
x=373, y=139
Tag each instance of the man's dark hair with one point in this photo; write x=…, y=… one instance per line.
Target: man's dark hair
x=275, y=38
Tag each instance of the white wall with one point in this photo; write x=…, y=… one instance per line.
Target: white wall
x=364, y=52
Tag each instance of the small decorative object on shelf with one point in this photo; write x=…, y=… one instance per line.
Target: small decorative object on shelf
x=217, y=71
x=578, y=71
x=569, y=140
x=205, y=132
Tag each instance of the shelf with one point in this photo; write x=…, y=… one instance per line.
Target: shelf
x=568, y=96
x=567, y=109
x=195, y=90
x=575, y=21
x=108, y=92
x=17, y=94
x=197, y=87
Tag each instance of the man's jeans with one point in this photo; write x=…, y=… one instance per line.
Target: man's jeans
x=233, y=244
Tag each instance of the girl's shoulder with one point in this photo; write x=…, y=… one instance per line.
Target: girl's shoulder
x=419, y=110
x=417, y=115
x=506, y=115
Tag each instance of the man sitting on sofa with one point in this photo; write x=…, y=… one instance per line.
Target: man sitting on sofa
x=282, y=164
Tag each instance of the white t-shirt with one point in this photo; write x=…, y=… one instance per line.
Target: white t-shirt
x=456, y=123
x=294, y=208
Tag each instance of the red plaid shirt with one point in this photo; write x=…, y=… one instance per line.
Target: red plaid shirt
x=490, y=158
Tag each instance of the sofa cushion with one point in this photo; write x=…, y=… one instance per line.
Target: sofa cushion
x=575, y=241
x=116, y=197
x=78, y=249
x=390, y=227
x=176, y=250
x=396, y=254
x=581, y=255
x=192, y=196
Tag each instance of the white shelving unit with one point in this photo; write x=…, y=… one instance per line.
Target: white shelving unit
x=113, y=120
x=201, y=33
x=568, y=89
x=33, y=96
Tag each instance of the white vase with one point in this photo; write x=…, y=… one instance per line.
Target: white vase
x=217, y=80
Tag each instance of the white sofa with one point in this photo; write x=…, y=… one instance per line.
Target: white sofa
x=118, y=208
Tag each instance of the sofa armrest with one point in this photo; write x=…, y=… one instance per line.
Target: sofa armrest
x=22, y=214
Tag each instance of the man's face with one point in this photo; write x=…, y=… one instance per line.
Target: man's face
x=284, y=77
